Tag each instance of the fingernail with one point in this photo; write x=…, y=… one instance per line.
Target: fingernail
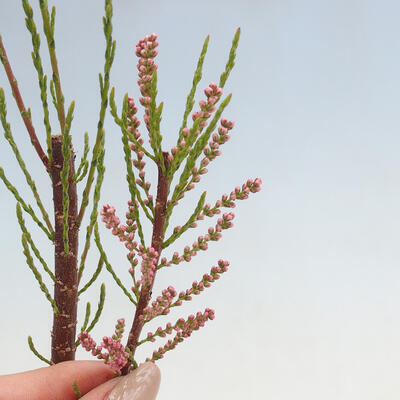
x=141, y=384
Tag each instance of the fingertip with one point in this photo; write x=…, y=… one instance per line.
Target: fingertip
x=141, y=384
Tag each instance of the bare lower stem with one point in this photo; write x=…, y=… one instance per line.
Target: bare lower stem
x=66, y=271
x=156, y=243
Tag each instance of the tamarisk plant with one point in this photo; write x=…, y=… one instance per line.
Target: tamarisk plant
x=198, y=144
x=59, y=164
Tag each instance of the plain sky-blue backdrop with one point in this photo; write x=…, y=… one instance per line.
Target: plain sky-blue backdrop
x=309, y=308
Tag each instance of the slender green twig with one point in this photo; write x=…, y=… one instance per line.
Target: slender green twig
x=231, y=59
x=99, y=308
x=48, y=28
x=94, y=213
x=104, y=86
x=87, y=316
x=77, y=392
x=21, y=163
x=84, y=164
x=193, y=156
x=37, y=62
x=94, y=276
x=196, y=79
x=24, y=113
x=85, y=322
x=35, y=250
x=65, y=174
x=109, y=267
x=36, y=273
x=189, y=222
x=36, y=353
x=26, y=207
x=53, y=93
x=182, y=153
x=154, y=123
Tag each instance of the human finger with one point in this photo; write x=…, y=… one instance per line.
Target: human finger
x=141, y=384
x=55, y=382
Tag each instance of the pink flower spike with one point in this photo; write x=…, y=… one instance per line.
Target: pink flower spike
x=114, y=355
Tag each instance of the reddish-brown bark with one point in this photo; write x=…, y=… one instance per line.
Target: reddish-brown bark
x=65, y=270
x=156, y=243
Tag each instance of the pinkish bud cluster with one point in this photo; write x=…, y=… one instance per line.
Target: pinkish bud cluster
x=240, y=193
x=214, y=234
x=132, y=120
x=141, y=181
x=198, y=287
x=218, y=139
x=146, y=51
x=119, y=329
x=161, y=305
x=148, y=266
x=213, y=93
x=111, y=349
x=139, y=163
x=210, y=152
x=184, y=144
x=125, y=233
x=251, y=186
x=184, y=329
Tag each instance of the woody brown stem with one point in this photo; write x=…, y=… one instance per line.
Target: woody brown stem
x=156, y=243
x=66, y=271
x=24, y=114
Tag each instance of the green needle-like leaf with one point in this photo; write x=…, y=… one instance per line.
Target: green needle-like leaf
x=84, y=164
x=37, y=62
x=31, y=183
x=231, y=60
x=87, y=316
x=48, y=28
x=99, y=308
x=36, y=273
x=26, y=207
x=94, y=213
x=93, y=278
x=36, y=353
x=193, y=155
x=104, y=86
x=189, y=222
x=109, y=267
x=77, y=392
x=196, y=79
x=35, y=250
x=66, y=152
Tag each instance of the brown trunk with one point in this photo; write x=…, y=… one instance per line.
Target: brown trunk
x=156, y=243
x=66, y=272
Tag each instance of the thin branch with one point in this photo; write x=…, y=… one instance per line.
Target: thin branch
x=36, y=353
x=156, y=244
x=104, y=86
x=48, y=27
x=31, y=183
x=24, y=113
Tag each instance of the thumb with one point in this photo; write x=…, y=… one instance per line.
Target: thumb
x=141, y=384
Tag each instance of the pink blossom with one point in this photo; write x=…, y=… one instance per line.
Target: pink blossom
x=111, y=349
x=146, y=51
x=161, y=305
x=184, y=329
x=148, y=266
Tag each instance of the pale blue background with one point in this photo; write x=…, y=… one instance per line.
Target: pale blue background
x=309, y=308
